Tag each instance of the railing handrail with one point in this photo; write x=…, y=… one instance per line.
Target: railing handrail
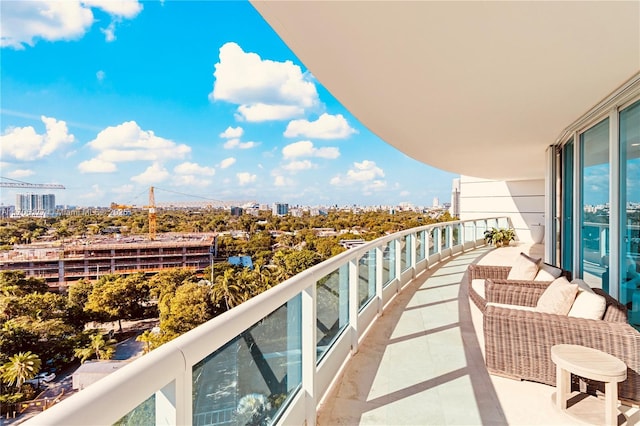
x=153, y=371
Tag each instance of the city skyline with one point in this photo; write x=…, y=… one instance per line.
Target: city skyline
x=200, y=98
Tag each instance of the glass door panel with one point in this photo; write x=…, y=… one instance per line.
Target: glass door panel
x=630, y=210
x=566, y=242
x=594, y=250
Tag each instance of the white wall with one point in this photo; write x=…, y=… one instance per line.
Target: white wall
x=522, y=200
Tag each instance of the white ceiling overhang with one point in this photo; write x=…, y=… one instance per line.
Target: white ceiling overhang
x=476, y=88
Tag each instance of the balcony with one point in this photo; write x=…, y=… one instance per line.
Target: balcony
x=381, y=334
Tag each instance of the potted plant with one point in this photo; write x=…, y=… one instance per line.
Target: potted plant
x=499, y=237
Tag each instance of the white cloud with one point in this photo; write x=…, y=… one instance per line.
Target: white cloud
x=227, y=162
x=405, y=193
x=364, y=172
x=20, y=173
x=96, y=165
x=24, y=143
x=306, y=149
x=128, y=142
x=262, y=112
x=194, y=169
x=327, y=126
x=235, y=143
x=109, y=32
x=296, y=166
x=263, y=89
x=96, y=192
x=154, y=173
x=245, y=178
x=189, y=180
x=232, y=133
x=121, y=8
x=123, y=189
x=282, y=181
x=100, y=75
x=24, y=22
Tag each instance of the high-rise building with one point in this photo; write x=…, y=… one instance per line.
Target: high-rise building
x=40, y=205
x=454, y=210
x=280, y=209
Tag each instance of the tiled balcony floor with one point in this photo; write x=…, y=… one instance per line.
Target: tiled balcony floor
x=423, y=363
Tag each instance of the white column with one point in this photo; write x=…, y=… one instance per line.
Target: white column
x=309, y=353
x=354, y=304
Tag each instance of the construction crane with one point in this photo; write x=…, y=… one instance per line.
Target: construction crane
x=152, y=214
x=20, y=184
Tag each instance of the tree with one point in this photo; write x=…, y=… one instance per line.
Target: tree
x=227, y=290
x=16, y=283
x=188, y=308
x=116, y=298
x=21, y=367
x=98, y=346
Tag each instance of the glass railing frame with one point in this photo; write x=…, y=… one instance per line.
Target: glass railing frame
x=167, y=370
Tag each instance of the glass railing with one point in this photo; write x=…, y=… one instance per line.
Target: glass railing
x=271, y=359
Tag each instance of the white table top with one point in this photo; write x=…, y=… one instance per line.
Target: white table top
x=589, y=363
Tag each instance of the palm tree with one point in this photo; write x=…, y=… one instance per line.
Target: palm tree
x=101, y=348
x=21, y=367
x=226, y=288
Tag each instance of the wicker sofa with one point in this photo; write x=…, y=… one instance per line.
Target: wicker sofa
x=518, y=342
x=483, y=272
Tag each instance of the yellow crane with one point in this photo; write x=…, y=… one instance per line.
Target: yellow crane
x=152, y=214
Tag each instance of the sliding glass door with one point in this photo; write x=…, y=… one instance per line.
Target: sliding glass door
x=595, y=187
x=630, y=210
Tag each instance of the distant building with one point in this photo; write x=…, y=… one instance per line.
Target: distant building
x=280, y=209
x=244, y=261
x=454, y=210
x=236, y=211
x=36, y=205
x=436, y=202
x=6, y=211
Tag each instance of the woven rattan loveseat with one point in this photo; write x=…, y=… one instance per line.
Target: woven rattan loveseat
x=518, y=342
x=483, y=272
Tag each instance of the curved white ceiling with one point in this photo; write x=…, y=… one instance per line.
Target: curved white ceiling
x=477, y=88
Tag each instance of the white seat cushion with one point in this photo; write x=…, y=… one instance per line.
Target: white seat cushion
x=478, y=286
x=521, y=308
x=588, y=304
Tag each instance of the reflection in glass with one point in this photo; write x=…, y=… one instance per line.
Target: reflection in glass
x=366, y=277
x=630, y=210
x=594, y=144
x=143, y=414
x=250, y=379
x=405, y=250
x=332, y=307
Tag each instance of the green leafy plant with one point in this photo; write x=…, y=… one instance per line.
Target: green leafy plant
x=499, y=237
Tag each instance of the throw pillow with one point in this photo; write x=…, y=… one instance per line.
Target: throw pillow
x=547, y=273
x=588, y=305
x=525, y=268
x=558, y=297
x=582, y=285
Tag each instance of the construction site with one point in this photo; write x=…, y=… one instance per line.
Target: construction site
x=88, y=257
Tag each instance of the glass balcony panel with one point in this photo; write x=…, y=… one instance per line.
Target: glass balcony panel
x=389, y=263
x=444, y=240
x=366, y=278
x=143, y=414
x=251, y=378
x=433, y=249
x=421, y=245
x=332, y=307
x=405, y=253
x=455, y=235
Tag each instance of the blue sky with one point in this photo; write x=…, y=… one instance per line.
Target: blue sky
x=195, y=97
